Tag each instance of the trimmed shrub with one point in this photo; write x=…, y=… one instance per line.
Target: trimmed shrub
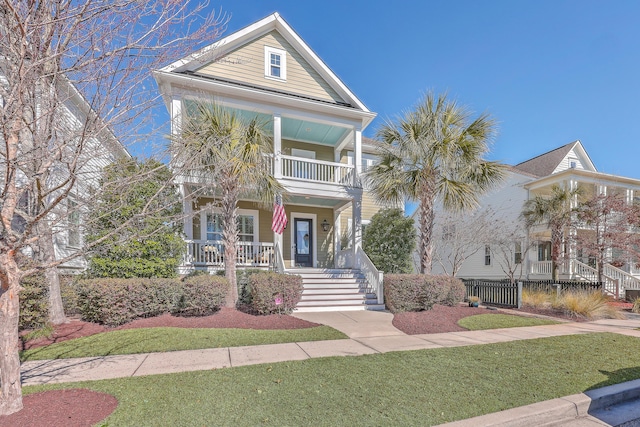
x=417, y=292
x=114, y=302
x=34, y=303
x=244, y=288
x=201, y=295
x=453, y=290
x=274, y=292
x=69, y=294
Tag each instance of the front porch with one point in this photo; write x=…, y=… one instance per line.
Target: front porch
x=615, y=280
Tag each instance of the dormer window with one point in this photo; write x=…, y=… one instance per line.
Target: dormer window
x=275, y=63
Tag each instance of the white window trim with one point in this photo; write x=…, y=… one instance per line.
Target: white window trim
x=74, y=228
x=268, y=50
x=314, y=221
x=305, y=154
x=253, y=212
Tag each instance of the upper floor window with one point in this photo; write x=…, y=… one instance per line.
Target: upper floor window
x=73, y=218
x=518, y=253
x=275, y=63
x=487, y=255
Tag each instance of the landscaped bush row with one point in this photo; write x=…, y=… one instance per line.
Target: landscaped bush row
x=34, y=302
x=114, y=302
x=274, y=293
x=417, y=292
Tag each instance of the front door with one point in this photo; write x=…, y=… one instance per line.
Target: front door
x=304, y=242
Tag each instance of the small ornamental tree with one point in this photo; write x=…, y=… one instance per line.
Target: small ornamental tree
x=389, y=240
x=150, y=246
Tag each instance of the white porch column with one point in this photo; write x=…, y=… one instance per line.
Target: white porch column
x=337, y=244
x=357, y=154
x=176, y=115
x=277, y=146
x=356, y=222
x=187, y=208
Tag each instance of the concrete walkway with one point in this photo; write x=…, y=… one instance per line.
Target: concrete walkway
x=369, y=332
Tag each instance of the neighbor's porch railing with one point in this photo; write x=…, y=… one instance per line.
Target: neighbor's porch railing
x=211, y=253
x=541, y=267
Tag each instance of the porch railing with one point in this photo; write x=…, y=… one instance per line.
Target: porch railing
x=318, y=170
x=625, y=280
x=541, y=267
x=211, y=253
x=344, y=258
x=372, y=274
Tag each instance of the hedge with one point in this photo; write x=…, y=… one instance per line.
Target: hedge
x=417, y=292
x=114, y=302
x=274, y=292
x=34, y=302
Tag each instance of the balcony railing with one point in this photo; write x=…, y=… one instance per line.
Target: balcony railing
x=211, y=253
x=318, y=170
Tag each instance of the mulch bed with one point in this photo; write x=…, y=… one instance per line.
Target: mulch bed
x=84, y=408
x=68, y=408
x=439, y=319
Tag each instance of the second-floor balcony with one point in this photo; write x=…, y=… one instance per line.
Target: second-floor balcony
x=318, y=171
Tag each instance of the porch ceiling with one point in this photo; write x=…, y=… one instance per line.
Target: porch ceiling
x=297, y=129
x=315, y=201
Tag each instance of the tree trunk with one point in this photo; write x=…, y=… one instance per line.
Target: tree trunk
x=426, y=230
x=11, y=396
x=230, y=239
x=47, y=256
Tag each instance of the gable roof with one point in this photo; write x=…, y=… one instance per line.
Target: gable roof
x=274, y=22
x=547, y=163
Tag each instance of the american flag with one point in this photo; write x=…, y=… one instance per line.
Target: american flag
x=279, y=216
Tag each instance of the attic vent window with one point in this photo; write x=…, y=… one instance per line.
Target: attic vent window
x=275, y=63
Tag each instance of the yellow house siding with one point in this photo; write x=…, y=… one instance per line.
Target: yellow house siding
x=323, y=153
x=246, y=64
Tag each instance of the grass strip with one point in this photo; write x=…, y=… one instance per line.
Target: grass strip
x=147, y=340
x=420, y=388
x=498, y=321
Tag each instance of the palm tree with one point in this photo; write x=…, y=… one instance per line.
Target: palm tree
x=435, y=151
x=227, y=153
x=555, y=212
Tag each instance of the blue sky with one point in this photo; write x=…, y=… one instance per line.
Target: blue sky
x=549, y=72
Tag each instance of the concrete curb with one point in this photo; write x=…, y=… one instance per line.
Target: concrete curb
x=556, y=411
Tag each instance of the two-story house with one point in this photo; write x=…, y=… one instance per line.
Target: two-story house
x=529, y=257
x=318, y=155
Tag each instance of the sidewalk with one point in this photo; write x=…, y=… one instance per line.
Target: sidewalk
x=369, y=332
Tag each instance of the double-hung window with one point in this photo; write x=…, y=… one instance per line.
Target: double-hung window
x=73, y=219
x=275, y=63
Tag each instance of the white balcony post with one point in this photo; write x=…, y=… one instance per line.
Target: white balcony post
x=176, y=114
x=187, y=208
x=356, y=222
x=357, y=156
x=277, y=146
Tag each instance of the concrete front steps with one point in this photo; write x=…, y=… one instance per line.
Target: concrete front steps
x=334, y=290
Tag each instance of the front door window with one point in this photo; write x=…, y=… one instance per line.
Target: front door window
x=303, y=243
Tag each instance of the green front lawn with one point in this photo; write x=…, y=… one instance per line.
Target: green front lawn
x=419, y=388
x=498, y=321
x=148, y=340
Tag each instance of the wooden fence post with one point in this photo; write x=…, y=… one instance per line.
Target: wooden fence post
x=519, y=302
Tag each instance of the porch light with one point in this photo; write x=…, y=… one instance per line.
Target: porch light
x=325, y=225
